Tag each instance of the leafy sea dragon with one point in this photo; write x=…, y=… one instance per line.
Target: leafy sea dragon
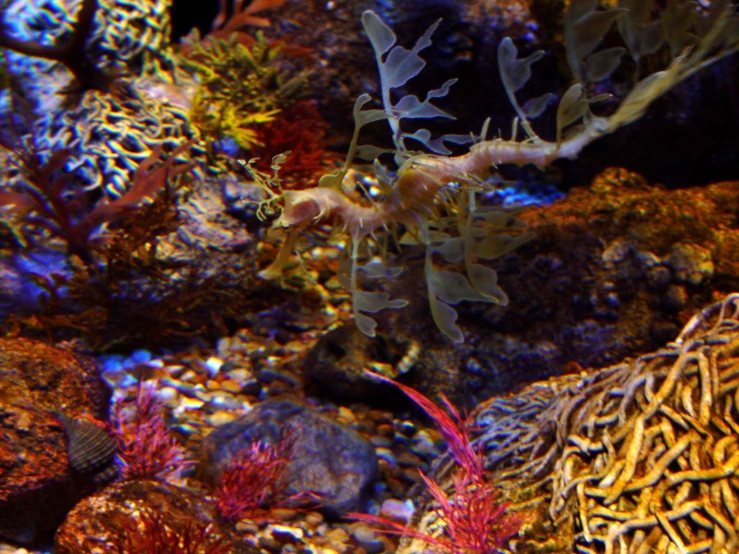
x=433, y=197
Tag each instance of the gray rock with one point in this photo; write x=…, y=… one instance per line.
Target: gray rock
x=328, y=458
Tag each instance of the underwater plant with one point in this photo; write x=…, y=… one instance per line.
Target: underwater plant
x=475, y=519
x=145, y=447
x=254, y=479
x=436, y=199
x=44, y=199
x=241, y=87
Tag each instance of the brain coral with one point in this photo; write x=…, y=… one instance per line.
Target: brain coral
x=641, y=457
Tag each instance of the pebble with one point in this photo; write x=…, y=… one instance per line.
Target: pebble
x=220, y=418
x=398, y=510
x=213, y=365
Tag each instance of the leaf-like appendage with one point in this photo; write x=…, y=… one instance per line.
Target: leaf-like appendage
x=676, y=21
x=571, y=108
x=381, y=36
x=397, y=65
x=452, y=250
x=445, y=318
x=600, y=65
x=535, y=107
x=485, y=281
x=584, y=28
x=515, y=72
x=499, y=219
x=437, y=145
x=378, y=270
x=494, y=246
x=371, y=302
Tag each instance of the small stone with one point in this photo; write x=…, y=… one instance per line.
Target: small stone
x=191, y=403
x=398, y=510
x=368, y=539
x=314, y=518
x=423, y=442
x=386, y=454
x=140, y=356
x=213, y=365
x=169, y=397
x=231, y=386
x=220, y=418
x=223, y=346
x=283, y=514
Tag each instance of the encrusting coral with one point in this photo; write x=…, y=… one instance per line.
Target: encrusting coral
x=437, y=198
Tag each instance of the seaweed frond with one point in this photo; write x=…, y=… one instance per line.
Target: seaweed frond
x=241, y=88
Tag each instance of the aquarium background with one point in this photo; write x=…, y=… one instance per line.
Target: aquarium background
x=364, y=276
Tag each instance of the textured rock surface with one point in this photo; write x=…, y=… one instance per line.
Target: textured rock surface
x=37, y=486
x=138, y=511
x=329, y=458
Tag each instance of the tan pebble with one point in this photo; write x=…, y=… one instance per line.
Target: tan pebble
x=223, y=346
x=169, y=396
x=189, y=376
x=191, y=404
x=337, y=535
x=247, y=527
x=409, y=459
x=386, y=430
x=211, y=384
x=240, y=375
x=231, y=386
x=397, y=509
x=395, y=486
x=283, y=514
x=220, y=418
x=314, y=518
x=347, y=415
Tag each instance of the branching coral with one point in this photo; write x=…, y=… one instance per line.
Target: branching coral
x=435, y=197
x=70, y=53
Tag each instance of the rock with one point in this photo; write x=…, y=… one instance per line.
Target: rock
x=329, y=458
x=136, y=511
x=38, y=487
x=336, y=364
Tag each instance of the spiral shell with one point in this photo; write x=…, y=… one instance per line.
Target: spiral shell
x=90, y=448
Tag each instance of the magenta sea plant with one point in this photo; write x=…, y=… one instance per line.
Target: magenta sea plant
x=254, y=480
x=146, y=449
x=475, y=520
x=435, y=199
